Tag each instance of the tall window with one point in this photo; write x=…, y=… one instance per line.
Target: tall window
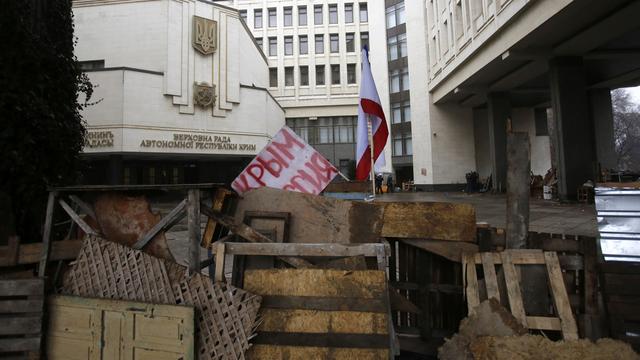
x=395, y=15
x=243, y=15
x=320, y=76
x=288, y=16
x=303, y=44
x=333, y=13
x=351, y=42
x=304, y=75
x=319, y=44
x=399, y=80
x=364, y=14
x=400, y=112
x=364, y=39
x=408, y=145
x=348, y=13
x=397, y=145
x=257, y=18
x=317, y=14
x=351, y=73
x=334, y=43
x=302, y=15
x=335, y=74
x=273, y=77
x=397, y=46
x=259, y=42
x=288, y=45
x=273, y=17
x=288, y=76
x=273, y=46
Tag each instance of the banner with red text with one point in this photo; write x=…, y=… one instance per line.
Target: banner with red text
x=288, y=163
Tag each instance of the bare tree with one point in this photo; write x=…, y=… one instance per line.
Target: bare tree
x=626, y=127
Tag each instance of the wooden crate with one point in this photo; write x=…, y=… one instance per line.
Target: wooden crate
x=21, y=305
x=508, y=259
x=622, y=299
x=86, y=328
x=432, y=285
x=321, y=314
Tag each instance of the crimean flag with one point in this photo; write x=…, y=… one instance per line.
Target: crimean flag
x=369, y=106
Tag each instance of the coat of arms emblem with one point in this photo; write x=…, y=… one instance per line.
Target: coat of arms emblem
x=204, y=94
x=205, y=35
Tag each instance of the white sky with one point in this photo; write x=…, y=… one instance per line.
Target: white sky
x=635, y=94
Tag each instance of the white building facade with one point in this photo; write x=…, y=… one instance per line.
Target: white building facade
x=180, y=91
x=314, y=54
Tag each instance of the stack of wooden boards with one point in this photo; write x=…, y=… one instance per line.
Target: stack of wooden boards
x=321, y=314
x=21, y=306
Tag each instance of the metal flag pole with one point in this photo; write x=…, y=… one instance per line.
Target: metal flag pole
x=373, y=171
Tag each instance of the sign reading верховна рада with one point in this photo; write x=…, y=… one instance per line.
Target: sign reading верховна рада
x=288, y=163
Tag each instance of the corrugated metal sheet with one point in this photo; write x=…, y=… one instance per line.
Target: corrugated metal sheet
x=619, y=223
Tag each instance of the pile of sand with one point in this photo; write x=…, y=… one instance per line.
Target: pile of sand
x=539, y=347
x=492, y=333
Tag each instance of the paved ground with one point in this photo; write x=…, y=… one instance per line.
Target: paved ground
x=545, y=216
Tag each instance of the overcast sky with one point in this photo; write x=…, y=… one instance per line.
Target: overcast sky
x=635, y=94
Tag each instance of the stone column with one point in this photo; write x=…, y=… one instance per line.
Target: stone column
x=499, y=110
x=573, y=138
x=602, y=118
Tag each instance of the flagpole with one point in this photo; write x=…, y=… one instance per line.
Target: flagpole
x=373, y=171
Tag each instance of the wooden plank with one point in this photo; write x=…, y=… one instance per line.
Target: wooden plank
x=471, y=289
x=21, y=325
x=216, y=204
x=560, y=298
x=46, y=235
x=369, y=341
x=152, y=187
x=279, y=352
x=12, y=251
x=19, y=344
x=60, y=250
x=618, y=284
x=490, y=279
x=298, y=249
x=518, y=257
x=77, y=219
x=323, y=303
x=590, y=279
x=22, y=287
x=250, y=235
x=513, y=288
x=318, y=322
x=314, y=218
x=20, y=306
x=84, y=206
x=366, y=284
x=430, y=220
x=447, y=249
x=220, y=255
x=193, y=224
x=543, y=323
x=175, y=215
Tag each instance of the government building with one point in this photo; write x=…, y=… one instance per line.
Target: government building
x=190, y=90
x=180, y=91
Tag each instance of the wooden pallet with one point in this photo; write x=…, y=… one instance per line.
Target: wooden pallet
x=21, y=304
x=564, y=321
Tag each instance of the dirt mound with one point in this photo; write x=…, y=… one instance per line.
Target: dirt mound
x=541, y=348
x=489, y=319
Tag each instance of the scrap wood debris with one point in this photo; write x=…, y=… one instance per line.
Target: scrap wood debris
x=226, y=316
x=540, y=348
x=492, y=333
